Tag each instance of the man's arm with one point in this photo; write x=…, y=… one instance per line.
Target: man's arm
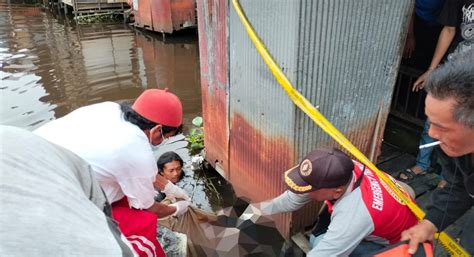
x=286, y=202
x=350, y=224
x=160, y=182
x=447, y=205
x=422, y=232
x=444, y=41
x=162, y=210
x=171, y=190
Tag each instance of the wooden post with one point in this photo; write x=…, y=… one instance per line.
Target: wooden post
x=74, y=8
x=65, y=9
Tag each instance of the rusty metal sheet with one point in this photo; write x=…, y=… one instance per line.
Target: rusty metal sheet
x=161, y=15
x=143, y=18
x=214, y=80
x=257, y=161
x=342, y=56
x=164, y=15
x=183, y=13
x=338, y=54
x=263, y=127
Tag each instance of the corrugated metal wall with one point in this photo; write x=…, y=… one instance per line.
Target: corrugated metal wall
x=349, y=53
x=213, y=29
x=342, y=55
x=262, y=118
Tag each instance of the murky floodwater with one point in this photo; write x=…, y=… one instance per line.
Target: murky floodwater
x=49, y=67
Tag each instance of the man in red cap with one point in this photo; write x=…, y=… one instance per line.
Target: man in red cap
x=116, y=140
x=364, y=214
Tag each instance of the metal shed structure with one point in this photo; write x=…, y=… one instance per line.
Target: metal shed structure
x=164, y=15
x=343, y=56
x=80, y=7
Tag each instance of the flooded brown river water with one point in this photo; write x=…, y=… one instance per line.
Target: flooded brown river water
x=49, y=67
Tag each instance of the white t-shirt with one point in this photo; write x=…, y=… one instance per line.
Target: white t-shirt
x=51, y=204
x=117, y=150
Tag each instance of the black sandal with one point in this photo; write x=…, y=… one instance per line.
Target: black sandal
x=408, y=175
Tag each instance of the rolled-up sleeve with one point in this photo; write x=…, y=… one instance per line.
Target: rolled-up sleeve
x=286, y=202
x=139, y=191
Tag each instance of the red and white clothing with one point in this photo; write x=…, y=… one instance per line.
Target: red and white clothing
x=139, y=227
x=367, y=212
x=118, y=152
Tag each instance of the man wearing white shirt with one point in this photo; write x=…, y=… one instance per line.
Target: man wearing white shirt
x=116, y=139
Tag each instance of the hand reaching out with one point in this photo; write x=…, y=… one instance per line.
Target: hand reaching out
x=419, y=83
x=174, y=192
x=422, y=232
x=181, y=207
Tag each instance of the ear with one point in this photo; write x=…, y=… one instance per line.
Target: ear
x=338, y=192
x=155, y=135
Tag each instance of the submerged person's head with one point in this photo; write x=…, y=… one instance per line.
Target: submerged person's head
x=170, y=166
x=323, y=173
x=450, y=105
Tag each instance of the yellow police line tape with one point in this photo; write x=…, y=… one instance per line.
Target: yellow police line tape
x=451, y=246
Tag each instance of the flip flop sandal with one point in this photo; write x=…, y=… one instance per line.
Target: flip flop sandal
x=408, y=175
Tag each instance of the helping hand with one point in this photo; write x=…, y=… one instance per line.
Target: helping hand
x=173, y=192
x=419, y=83
x=420, y=233
x=181, y=207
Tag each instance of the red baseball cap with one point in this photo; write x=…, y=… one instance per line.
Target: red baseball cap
x=322, y=168
x=160, y=106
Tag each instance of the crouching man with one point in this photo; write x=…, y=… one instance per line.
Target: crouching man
x=365, y=215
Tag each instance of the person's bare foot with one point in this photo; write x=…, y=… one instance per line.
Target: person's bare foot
x=442, y=183
x=417, y=170
x=410, y=173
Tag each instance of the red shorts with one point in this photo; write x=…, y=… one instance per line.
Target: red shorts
x=139, y=227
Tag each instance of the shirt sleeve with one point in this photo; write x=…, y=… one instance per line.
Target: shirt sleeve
x=451, y=202
x=449, y=15
x=286, y=202
x=350, y=224
x=139, y=191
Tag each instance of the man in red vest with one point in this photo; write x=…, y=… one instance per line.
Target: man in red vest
x=365, y=213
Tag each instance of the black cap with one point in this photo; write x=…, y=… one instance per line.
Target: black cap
x=322, y=168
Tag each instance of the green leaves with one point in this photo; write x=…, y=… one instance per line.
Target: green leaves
x=196, y=136
x=197, y=121
x=99, y=18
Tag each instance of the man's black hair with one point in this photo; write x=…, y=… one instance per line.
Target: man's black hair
x=133, y=117
x=167, y=158
x=455, y=79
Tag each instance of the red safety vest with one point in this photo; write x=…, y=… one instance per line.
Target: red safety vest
x=389, y=215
